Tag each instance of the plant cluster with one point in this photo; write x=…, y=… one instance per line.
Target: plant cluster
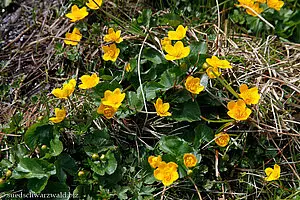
x=156, y=115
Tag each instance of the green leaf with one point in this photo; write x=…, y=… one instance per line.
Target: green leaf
x=112, y=163
x=97, y=142
x=106, y=77
x=134, y=101
x=174, y=145
x=188, y=111
x=198, y=48
x=149, y=179
x=33, y=168
x=38, y=134
x=5, y=163
x=203, y=133
x=56, y=146
x=167, y=79
x=67, y=163
x=150, y=89
x=121, y=192
x=37, y=185
x=170, y=19
x=144, y=18
x=180, y=96
x=152, y=55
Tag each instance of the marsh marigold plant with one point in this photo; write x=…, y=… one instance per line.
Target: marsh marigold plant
x=113, y=36
x=250, y=96
x=164, y=42
x=107, y=111
x=179, y=34
x=272, y=173
x=214, y=61
x=111, y=52
x=275, y=4
x=60, y=115
x=73, y=38
x=189, y=160
x=77, y=14
x=94, y=4
x=193, y=85
x=128, y=67
x=113, y=99
x=154, y=161
x=162, y=108
x=89, y=81
x=238, y=110
x=166, y=172
x=66, y=90
x=222, y=139
x=213, y=72
x=176, y=52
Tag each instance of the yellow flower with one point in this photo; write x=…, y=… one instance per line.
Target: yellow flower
x=167, y=173
x=111, y=52
x=214, y=61
x=177, y=51
x=66, y=91
x=94, y=4
x=210, y=70
x=189, y=160
x=238, y=110
x=250, y=96
x=162, y=108
x=128, y=67
x=107, y=111
x=222, y=139
x=251, y=4
x=276, y=4
x=74, y=37
x=76, y=13
x=164, y=42
x=89, y=81
x=261, y=1
x=113, y=36
x=60, y=115
x=114, y=98
x=193, y=85
x=272, y=174
x=154, y=161
x=178, y=34
x=256, y=8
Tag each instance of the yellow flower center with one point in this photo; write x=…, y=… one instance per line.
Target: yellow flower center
x=108, y=112
x=111, y=53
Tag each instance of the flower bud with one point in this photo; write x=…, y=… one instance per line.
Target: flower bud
x=95, y=156
x=80, y=173
x=8, y=173
x=189, y=172
x=44, y=147
x=205, y=65
x=2, y=181
x=102, y=157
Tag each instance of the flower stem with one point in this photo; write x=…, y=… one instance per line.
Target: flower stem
x=217, y=121
x=163, y=193
x=199, y=195
x=226, y=85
